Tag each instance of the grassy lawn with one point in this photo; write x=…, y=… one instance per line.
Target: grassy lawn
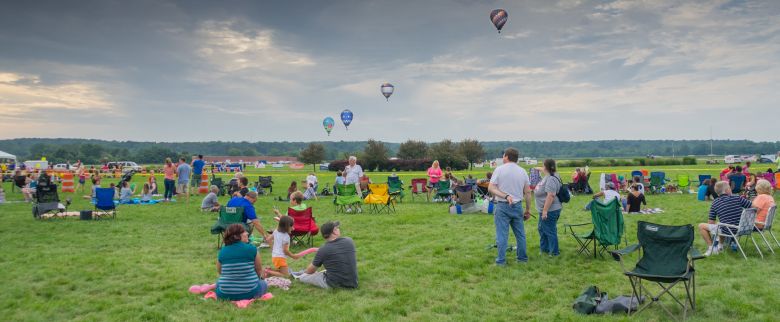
x=420, y=263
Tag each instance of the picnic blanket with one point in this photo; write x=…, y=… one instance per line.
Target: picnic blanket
x=648, y=211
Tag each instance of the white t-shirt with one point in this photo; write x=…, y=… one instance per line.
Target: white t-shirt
x=311, y=179
x=354, y=173
x=610, y=194
x=280, y=239
x=511, y=179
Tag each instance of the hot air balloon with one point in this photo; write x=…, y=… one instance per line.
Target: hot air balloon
x=346, y=118
x=328, y=123
x=499, y=17
x=387, y=90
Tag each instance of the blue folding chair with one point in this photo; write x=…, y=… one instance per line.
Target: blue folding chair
x=703, y=177
x=637, y=173
x=737, y=182
x=105, y=201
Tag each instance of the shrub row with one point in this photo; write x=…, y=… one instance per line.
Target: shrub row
x=626, y=162
x=398, y=165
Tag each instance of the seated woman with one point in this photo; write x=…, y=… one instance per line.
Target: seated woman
x=30, y=186
x=310, y=193
x=125, y=193
x=763, y=201
x=635, y=199
x=711, y=194
x=239, y=267
x=210, y=202
x=293, y=188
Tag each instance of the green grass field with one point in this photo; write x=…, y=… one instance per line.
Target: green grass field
x=420, y=263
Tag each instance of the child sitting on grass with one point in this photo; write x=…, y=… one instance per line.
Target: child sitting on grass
x=95, y=185
x=310, y=193
x=146, y=193
x=280, y=248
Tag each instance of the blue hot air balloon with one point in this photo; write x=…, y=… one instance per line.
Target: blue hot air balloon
x=387, y=90
x=498, y=17
x=346, y=118
x=328, y=123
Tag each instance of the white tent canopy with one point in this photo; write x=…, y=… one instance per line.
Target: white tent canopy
x=6, y=155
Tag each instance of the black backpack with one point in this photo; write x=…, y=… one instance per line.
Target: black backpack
x=563, y=192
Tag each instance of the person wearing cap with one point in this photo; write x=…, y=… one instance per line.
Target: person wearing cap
x=338, y=257
x=509, y=185
x=608, y=193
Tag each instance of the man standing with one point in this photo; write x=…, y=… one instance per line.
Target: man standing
x=183, y=171
x=338, y=257
x=248, y=203
x=510, y=185
x=353, y=174
x=197, y=170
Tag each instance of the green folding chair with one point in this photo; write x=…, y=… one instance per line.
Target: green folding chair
x=683, y=183
x=443, y=191
x=346, y=196
x=227, y=217
x=667, y=257
x=608, y=228
x=396, y=190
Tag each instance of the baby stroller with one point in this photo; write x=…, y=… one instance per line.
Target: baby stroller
x=46, y=198
x=326, y=191
x=265, y=182
x=218, y=182
x=126, y=177
x=232, y=187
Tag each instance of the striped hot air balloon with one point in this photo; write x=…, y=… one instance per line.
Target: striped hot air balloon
x=498, y=17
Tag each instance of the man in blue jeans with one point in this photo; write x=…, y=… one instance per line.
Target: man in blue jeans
x=510, y=185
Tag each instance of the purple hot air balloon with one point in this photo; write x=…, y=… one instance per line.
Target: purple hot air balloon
x=498, y=17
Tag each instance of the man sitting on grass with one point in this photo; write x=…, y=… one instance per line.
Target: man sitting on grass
x=727, y=208
x=210, y=202
x=338, y=257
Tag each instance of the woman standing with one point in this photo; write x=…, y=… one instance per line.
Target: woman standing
x=434, y=174
x=170, y=184
x=549, y=208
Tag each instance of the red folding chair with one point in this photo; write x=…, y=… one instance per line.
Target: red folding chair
x=419, y=186
x=304, y=226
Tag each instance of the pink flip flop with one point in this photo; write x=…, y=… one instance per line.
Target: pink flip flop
x=243, y=303
x=210, y=295
x=266, y=297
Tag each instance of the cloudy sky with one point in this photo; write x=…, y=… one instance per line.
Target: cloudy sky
x=272, y=70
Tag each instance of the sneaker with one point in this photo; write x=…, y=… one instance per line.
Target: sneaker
x=712, y=250
x=297, y=274
x=264, y=245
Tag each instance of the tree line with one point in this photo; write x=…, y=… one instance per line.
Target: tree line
x=97, y=151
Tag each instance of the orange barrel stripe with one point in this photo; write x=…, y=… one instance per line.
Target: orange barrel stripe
x=67, y=182
x=204, y=183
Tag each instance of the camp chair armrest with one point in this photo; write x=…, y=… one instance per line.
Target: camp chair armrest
x=576, y=225
x=618, y=254
x=727, y=225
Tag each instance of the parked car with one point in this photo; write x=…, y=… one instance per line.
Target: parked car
x=123, y=165
x=60, y=167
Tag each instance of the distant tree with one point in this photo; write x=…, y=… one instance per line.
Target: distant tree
x=374, y=155
x=313, y=154
x=447, y=153
x=472, y=150
x=250, y=152
x=234, y=152
x=412, y=149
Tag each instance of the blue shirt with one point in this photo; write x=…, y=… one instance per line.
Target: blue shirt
x=197, y=166
x=249, y=209
x=184, y=172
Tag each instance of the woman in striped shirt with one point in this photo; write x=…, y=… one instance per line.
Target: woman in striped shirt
x=239, y=267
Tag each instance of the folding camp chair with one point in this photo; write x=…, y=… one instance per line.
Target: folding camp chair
x=419, y=186
x=263, y=183
x=745, y=228
x=396, y=189
x=227, y=217
x=443, y=192
x=777, y=180
x=215, y=181
x=770, y=218
x=637, y=173
x=346, y=197
x=608, y=228
x=364, y=182
x=657, y=180
x=378, y=199
x=46, y=200
x=703, y=177
x=304, y=226
x=667, y=257
x=683, y=183
x=482, y=189
x=104, y=201
x=466, y=198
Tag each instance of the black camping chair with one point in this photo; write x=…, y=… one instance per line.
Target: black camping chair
x=667, y=257
x=263, y=183
x=47, y=200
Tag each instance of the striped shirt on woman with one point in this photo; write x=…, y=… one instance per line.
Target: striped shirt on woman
x=238, y=280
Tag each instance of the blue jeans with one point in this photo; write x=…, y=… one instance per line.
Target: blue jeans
x=507, y=216
x=170, y=186
x=548, y=232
